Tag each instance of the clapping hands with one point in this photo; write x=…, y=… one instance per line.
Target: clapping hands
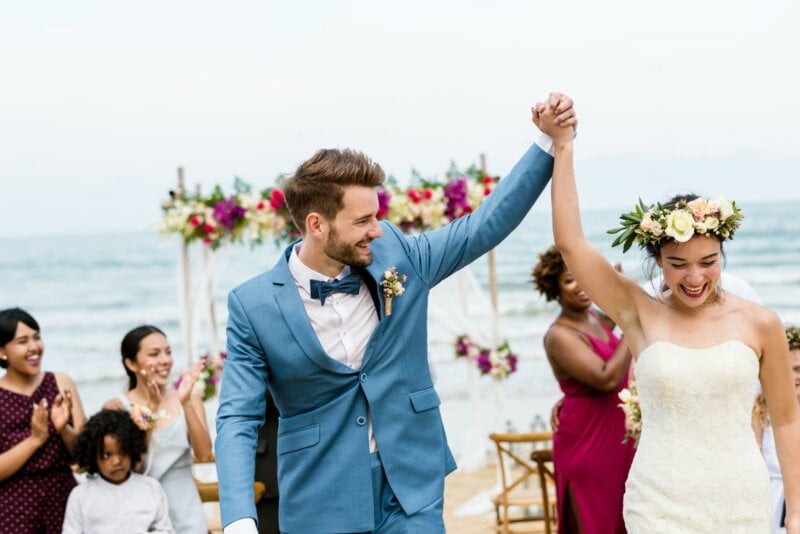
x=39, y=431
x=61, y=412
x=188, y=379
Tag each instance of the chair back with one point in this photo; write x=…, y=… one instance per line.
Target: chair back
x=522, y=498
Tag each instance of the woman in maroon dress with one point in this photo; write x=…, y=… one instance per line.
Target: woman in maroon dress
x=591, y=365
x=40, y=418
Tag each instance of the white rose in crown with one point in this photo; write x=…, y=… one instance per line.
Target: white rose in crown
x=680, y=225
x=724, y=206
x=712, y=223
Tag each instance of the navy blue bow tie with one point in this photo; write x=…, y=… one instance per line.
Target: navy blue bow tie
x=349, y=284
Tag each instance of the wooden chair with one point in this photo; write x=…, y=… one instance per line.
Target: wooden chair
x=544, y=465
x=521, y=485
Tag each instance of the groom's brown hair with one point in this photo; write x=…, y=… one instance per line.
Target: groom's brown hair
x=318, y=183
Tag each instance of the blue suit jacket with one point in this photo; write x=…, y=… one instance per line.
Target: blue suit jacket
x=323, y=448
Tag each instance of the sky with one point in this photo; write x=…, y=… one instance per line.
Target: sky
x=102, y=100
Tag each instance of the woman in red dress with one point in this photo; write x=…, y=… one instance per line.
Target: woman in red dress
x=40, y=419
x=591, y=365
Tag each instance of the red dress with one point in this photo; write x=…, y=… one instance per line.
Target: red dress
x=33, y=500
x=590, y=462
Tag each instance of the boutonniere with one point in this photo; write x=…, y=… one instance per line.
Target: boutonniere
x=392, y=286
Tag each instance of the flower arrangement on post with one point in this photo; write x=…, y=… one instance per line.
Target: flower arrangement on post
x=392, y=286
x=248, y=214
x=633, y=415
x=498, y=363
x=210, y=378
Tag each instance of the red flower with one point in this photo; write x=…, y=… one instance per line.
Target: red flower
x=487, y=180
x=486, y=191
x=428, y=194
x=207, y=240
x=414, y=195
x=276, y=199
x=260, y=205
x=207, y=228
x=194, y=220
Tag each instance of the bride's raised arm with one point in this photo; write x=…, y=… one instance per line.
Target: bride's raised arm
x=612, y=291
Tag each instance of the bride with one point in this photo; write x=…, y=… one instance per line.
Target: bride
x=699, y=352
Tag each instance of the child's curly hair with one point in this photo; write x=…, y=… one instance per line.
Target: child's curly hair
x=546, y=272
x=116, y=423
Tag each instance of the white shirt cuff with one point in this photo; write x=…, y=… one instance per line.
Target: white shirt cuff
x=245, y=525
x=545, y=142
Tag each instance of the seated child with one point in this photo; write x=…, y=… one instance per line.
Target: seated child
x=113, y=498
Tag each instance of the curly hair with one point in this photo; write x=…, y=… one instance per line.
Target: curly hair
x=116, y=423
x=547, y=271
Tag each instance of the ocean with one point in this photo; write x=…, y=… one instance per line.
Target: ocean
x=88, y=291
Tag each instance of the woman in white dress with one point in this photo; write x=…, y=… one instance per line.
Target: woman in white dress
x=699, y=353
x=174, y=418
x=766, y=437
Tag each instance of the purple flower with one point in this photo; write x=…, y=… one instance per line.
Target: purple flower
x=483, y=361
x=384, y=197
x=512, y=362
x=228, y=213
x=455, y=192
x=462, y=346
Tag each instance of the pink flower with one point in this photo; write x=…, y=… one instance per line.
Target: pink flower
x=699, y=208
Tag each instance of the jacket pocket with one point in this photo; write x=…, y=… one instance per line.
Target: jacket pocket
x=425, y=399
x=301, y=438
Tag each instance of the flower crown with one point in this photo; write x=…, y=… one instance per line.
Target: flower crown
x=649, y=225
x=793, y=337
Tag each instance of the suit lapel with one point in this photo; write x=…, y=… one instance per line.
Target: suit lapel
x=294, y=314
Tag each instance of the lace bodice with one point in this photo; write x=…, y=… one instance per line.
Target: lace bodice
x=697, y=468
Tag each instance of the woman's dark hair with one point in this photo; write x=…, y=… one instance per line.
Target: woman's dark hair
x=115, y=423
x=547, y=272
x=9, y=320
x=130, y=346
x=653, y=250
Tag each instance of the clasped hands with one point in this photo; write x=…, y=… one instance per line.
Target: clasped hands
x=556, y=117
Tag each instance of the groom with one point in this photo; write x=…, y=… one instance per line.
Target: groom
x=361, y=445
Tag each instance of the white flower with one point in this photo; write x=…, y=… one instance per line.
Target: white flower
x=725, y=208
x=700, y=227
x=680, y=226
x=625, y=395
x=712, y=223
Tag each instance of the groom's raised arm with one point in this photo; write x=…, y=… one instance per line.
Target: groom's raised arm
x=439, y=253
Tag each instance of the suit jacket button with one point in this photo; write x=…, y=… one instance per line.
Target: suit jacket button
x=361, y=420
x=363, y=377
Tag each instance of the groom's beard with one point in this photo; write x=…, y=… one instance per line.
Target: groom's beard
x=345, y=253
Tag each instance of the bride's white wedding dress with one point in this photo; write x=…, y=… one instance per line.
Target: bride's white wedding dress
x=697, y=468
